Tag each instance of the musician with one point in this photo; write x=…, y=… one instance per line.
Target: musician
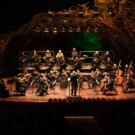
x=52, y=79
x=21, y=84
x=109, y=64
x=74, y=83
x=51, y=63
x=127, y=83
x=80, y=79
x=77, y=64
x=36, y=59
x=106, y=56
x=59, y=56
x=95, y=63
x=91, y=80
x=113, y=71
x=74, y=53
x=104, y=81
x=126, y=70
x=23, y=59
x=115, y=67
x=42, y=86
x=47, y=56
x=108, y=85
x=96, y=55
x=63, y=64
x=3, y=88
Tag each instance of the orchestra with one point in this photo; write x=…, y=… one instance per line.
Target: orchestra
x=111, y=76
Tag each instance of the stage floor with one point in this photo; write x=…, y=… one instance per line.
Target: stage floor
x=63, y=93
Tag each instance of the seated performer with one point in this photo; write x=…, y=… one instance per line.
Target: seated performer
x=109, y=64
x=80, y=79
x=47, y=56
x=42, y=86
x=105, y=56
x=63, y=64
x=59, y=56
x=95, y=63
x=77, y=64
x=36, y=59
x=96, y=55
x=91, y=80
x=109, y=85
x=23, y=59
x=74, y=53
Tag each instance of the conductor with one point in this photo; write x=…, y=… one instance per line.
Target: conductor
x=74, y=83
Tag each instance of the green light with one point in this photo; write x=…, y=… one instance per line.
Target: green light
x=85, y=41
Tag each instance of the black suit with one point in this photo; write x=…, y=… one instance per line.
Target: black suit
x=74, y=84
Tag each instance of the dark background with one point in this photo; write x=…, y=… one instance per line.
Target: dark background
x=14, y=13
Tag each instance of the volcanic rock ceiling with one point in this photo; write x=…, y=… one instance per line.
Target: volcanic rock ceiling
x=113, y=20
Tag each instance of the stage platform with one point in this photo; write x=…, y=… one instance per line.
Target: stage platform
x=64, y=93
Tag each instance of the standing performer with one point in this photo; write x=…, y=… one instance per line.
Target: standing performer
x=74, y=83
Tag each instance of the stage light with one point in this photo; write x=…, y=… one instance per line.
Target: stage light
x=78, y=29
x=55, y=30
x=37, y=29
x=80, y=13
x=66, y=13
x=50, y=13
x=88, y=29
x=96, y=13
x=110, y=11
x=70, y=29
x=63, y=29
x=46, y=30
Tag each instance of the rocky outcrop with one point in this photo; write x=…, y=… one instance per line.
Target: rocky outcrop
x=114, y=22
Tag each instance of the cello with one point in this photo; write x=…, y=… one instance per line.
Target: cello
x=119, y=73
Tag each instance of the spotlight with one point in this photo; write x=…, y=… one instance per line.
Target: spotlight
x=88, y=29
x=110, y=11
x=63, y=29
x=46, y=30
x=80, y=14
x=66, y=13
x=70, y=29
x=50, y=13
x=37, y=29
x=96, y=13
x=55, y=30
x=78, y=29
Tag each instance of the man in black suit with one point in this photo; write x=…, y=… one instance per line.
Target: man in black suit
x=74, y=83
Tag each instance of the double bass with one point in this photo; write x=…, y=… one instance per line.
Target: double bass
x=130, y=71
x=119, y=75
x=129, y=78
